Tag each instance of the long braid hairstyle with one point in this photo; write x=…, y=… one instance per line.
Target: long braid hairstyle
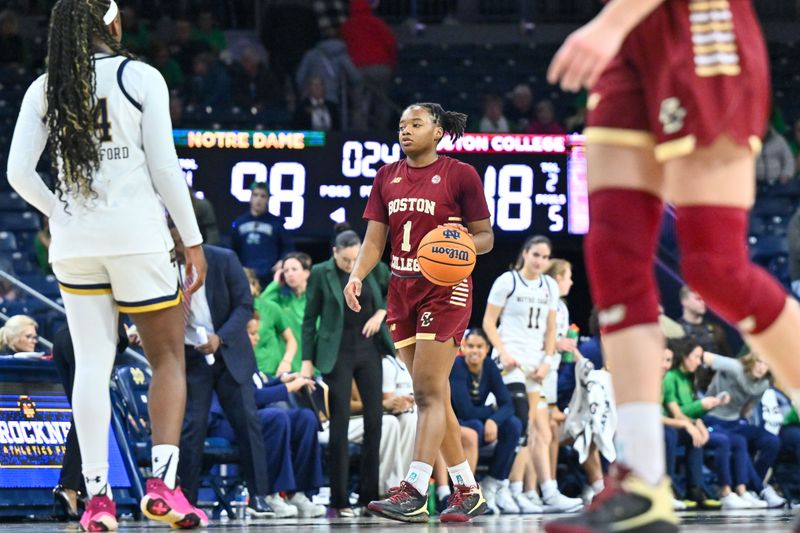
x=75, y=25
x=454, y=124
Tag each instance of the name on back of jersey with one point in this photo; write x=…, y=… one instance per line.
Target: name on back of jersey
x=111, y=153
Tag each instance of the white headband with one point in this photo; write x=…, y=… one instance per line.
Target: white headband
x=111, y=14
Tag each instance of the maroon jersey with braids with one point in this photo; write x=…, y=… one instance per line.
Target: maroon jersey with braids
x=414, y=200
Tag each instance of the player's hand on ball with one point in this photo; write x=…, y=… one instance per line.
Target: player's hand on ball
x=352, y=291
x=456, y=225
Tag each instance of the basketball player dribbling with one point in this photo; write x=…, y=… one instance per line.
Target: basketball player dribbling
x=106, y=118
x=679, y=99
x=410, y=198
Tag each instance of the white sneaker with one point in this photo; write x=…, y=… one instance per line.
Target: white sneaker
x=504, y=501
x=281, y=508
x=753, y=499
x=534, y=498
x=489, y=488
x=558, y=503
x=306, y=508
x=678, y=505
x=773, y=499
x=526, y=506
x=734, y=502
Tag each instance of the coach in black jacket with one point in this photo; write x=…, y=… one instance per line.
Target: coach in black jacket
x=223, y=306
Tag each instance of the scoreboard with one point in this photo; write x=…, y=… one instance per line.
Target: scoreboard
x=533, y=183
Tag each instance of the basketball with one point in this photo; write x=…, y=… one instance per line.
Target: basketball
x=446, y=256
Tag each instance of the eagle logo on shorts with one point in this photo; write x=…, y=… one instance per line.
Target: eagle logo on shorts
x=426, y=319
x=671, y=115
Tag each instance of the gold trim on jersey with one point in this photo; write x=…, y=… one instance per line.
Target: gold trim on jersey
x=714, y=40
x=426, y=336
x=755, y=144
x=405, y=342
x=707, y=6
x=675, y=148
x=619, y=137
x=151, y=307
x=84, y=292
x=718, y=70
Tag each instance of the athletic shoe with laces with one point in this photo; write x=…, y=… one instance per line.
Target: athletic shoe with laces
x=404, y=503
x=307, y=508
x=773, y=499
x=526, y=506
x=753, y=499
x=504, y=500
x=281, y=508
x=465, y=503
x=734, y=502
x=558, y=503
x=100, y=515
x=626, y=504
x=170, y=506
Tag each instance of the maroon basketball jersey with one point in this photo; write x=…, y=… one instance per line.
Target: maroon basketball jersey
x=413, y=201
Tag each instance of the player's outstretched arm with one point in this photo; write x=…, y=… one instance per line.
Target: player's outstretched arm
x=482, y=235
x=369, y=255
x=588, y=50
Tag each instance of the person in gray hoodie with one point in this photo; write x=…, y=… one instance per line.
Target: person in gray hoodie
x=329, y=61
x=744, y=380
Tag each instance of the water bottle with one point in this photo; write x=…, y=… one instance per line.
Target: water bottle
x=241, y=499
x=572, y=333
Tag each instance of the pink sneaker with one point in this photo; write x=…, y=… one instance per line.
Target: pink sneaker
x=170, y=506
x=100, y=515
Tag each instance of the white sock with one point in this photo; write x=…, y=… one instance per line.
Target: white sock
x=165, y=463
x=598, y=486
x=549, y=489
x=442, y=492
x=516, y=488
x=96, y=479
x=419, y=475
x=640, y=440
x=462, y=475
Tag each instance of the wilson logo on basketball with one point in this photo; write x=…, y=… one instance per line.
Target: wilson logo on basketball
x=452, y=253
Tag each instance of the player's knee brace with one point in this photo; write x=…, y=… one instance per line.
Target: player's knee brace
x=619, y=249
x=716, y=264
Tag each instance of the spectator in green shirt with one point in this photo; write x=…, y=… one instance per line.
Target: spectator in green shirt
x=277, y=346
x=169, y=68
x=207, y=32
x=681, y=402
x=288, y=291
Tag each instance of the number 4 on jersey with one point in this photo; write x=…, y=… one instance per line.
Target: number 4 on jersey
x=101, y=120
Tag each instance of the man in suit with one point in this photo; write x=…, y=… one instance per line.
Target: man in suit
x=220, y=358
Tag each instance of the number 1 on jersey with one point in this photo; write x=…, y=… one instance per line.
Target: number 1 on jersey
x=405, y=246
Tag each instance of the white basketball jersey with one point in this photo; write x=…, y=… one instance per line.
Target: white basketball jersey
x=526, y=304
x=138, y=167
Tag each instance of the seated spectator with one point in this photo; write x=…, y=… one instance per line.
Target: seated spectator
x=520, y=113
x=398, y=401
x=329, y=60
x=12, y=47
x=252, y=332
x=703, y=331
x=692, y=436
x=254, y=85
x=472, y=379
x=18, y=335
x=744, y=380
x=277, y=346
x=545, y=120
x=41, y=245
x=493, y=120
x=207, y=32
x=135, y=36
x=315, y=112
x=373, y=49
x=167, y=65
x=183, y=47
x=775, y=162
x=290, y=439
x=209, y=85
x=681, y=403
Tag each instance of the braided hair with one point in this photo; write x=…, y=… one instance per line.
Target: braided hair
x=73, y=134
x=454, y=124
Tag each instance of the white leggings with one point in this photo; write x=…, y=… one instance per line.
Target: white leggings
x=92, y=321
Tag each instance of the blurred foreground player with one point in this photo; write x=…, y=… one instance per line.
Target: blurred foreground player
x=679, y=98
x=106, y=118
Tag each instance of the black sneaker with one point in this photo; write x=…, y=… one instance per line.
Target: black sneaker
x=404, y=503
x=464, y=504
x=626, y=504
x=259, y=508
